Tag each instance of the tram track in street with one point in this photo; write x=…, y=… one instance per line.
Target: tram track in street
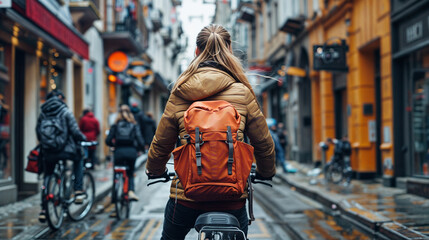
x=304, y=218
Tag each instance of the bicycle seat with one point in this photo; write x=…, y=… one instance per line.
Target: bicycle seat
x=216, y=219
x=120, y=168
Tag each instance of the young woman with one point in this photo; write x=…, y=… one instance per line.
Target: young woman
x=126, y=137
x=214, y=74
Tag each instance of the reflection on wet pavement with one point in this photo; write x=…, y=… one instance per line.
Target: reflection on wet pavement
x=409, y=210
x=17, y=218
x=339, y=227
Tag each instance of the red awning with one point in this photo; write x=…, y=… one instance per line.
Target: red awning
x=51, y=24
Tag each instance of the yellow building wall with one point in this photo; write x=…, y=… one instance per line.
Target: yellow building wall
x=368, y=29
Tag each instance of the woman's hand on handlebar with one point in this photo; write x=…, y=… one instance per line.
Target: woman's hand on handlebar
x=255, y=176
x=166, y=176
x=260, y=177
x=153, y=176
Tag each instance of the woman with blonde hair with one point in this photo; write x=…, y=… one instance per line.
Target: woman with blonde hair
x=126, y=137
x=214, y=74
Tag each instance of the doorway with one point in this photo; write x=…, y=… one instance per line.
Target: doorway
x=18, y=123
x=340, y=99
x=378, y=112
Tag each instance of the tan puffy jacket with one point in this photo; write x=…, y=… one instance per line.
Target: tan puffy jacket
x=210, y=83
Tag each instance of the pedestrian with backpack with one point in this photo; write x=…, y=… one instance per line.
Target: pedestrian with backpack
x=58, y=135
x=126, y=137
x=211, y=108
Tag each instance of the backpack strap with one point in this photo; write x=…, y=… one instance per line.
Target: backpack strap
x=198, y=150
x=230, y=150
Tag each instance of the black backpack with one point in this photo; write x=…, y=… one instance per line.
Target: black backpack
x=53, y=133
x=125, y=133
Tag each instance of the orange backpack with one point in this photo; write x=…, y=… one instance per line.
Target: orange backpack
x=213, y=165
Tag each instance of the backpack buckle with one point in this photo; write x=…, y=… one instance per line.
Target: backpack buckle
x=188, y=138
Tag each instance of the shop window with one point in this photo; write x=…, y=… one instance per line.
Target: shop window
x=51, y=74
x=420, y=115
x=5, y=127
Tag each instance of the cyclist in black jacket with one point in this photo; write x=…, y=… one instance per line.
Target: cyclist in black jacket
x=55, y=106
x=125, y=153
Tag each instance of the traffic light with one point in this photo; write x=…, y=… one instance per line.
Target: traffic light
x=330, y=57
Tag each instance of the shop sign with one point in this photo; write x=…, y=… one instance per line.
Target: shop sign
x=330, y=57
x=5, y=3
x=414, y=31
x=117, y=61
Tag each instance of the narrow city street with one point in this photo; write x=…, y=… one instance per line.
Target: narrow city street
x=300, y=218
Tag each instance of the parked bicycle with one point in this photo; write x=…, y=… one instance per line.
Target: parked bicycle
x=338, y=169
x=219, y=225
x=58, y=197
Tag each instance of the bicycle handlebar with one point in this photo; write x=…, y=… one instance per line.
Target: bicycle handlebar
x=88, y=144
x=167, y=176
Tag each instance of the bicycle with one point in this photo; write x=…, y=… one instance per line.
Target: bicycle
x=220, y=225
x=120, y=192
x=58, y=195
x=339, y=168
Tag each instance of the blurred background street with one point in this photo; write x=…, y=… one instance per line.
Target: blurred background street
x=324, y=72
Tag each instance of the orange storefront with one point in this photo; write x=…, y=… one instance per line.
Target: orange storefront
x=356, y=103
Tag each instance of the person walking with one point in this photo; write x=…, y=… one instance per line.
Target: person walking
x=135, y=110
x=147, y=127
x=214, y=74
x=125, y=137
x=283, y=137
x=90, y=127
x=280, y=156
x=59, y=134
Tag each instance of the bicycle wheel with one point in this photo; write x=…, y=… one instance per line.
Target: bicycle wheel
x=122, y=205
x=77, y=212
x=335, y=173
x=54, y=200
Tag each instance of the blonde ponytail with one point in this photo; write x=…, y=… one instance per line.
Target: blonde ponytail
x=214, y=43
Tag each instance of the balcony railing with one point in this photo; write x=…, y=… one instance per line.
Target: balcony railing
x=84, y=13
x=129, y=26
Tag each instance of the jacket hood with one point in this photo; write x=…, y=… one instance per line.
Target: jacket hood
x=53, y=106
x=90, y=115
x=206, y=82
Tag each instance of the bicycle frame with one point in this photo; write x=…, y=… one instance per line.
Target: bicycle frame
x=123, y=171
x=121, y=200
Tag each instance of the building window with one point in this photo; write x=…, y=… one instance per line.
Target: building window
x=51, y=74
